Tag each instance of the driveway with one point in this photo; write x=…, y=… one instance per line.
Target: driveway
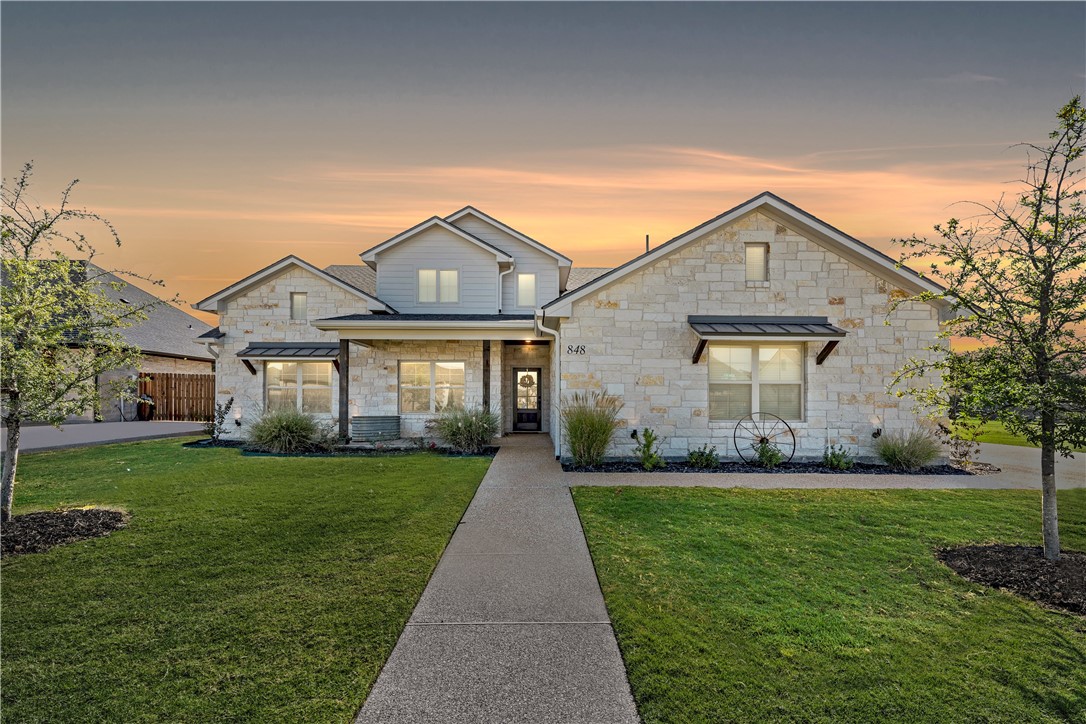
x=84, y=434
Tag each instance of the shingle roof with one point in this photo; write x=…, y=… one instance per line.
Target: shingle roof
x=579, y=276
x=167, y=329
x=357, y=275
x=212, y=334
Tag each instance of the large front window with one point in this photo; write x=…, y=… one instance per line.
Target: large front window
x=751, y=378
x=431, y=386
x=303, y=386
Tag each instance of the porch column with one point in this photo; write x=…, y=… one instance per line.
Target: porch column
x=344, y=382
x=486, y=374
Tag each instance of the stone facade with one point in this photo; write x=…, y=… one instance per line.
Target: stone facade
x=638, y=344
x=262, y=314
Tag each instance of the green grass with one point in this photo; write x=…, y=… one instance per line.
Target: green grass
x=995, y=432
x=819, y=606
x=244, y=588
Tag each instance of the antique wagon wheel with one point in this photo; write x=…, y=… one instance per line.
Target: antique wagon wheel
x=763, y=428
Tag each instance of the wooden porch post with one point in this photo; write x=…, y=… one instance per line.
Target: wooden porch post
x=486, y=374
x=344, y=380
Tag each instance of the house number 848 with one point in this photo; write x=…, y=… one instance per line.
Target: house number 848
x=575, y=349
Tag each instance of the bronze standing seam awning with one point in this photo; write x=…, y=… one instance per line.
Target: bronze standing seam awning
x=290, y=351
x=797, y=329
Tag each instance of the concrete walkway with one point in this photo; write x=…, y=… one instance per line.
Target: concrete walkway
x=512, y=626
x=1020, y=467
x=84, y=434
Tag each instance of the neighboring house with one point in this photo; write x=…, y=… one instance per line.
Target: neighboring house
x=166, y=340
x=763, y=308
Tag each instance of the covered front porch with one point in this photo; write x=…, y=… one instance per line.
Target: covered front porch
x=398, y=372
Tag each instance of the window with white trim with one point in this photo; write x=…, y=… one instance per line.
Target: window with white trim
x=438, y=286
x=747, y=378
x=431, y=386
x=302, y=386
x=298, y=306
x=757, y=262
x=526, y=290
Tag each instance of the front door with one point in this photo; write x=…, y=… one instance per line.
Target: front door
x=528, y=405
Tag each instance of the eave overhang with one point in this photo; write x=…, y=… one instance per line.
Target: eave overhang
x=765, y=329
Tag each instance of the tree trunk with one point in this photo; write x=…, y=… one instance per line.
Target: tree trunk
x=11, y=458
x=1049, y=522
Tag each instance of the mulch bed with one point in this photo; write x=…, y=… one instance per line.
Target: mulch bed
x=628, y=466
x=341, y=451
x=1023, y=570
x=38, y=532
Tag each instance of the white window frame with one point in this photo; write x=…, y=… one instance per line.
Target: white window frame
x=765, y=262
x=305, y=306
x=535, y=290
x=433, y=383
x=298, y=383
x=439, y=287
x=754, y=382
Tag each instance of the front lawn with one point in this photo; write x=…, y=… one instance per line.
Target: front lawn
x=786, y=605
x=995, y=432
x=244, y=588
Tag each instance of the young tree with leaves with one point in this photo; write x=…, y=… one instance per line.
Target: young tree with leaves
x=1016, y=276
x=58, y=330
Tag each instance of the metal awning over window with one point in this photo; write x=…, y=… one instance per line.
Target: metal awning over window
x=765, y=328
x=311, y=351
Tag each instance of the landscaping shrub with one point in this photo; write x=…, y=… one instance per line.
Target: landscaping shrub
x=648, y=449
x=589, y=420
x=467, y=430
x=216, y=424
x=908, y=451
x=837, y=457
x=285, y=431
x=960, y=436
x=767, y=455
x=704, y=457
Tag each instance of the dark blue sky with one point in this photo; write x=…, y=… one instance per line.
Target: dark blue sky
x=333, y=125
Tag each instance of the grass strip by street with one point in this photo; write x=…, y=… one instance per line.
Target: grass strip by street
x=829, y=605
x=244, y=588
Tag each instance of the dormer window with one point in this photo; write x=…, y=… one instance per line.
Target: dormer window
x=438, y=286
x=757, y=261
x=526, y=290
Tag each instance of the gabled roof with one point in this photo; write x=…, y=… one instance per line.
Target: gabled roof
x=358, y=276
x=563, y=260
x=370, y=255
x=782, y=211
x=273, y=270
x=581, y=275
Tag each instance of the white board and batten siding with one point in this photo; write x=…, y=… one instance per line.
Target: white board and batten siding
x=529, y=260
x=436, y=248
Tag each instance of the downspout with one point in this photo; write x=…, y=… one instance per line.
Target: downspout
x=556, y=421
x=501, y=283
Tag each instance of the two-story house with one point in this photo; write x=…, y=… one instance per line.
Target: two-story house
x=764, y=308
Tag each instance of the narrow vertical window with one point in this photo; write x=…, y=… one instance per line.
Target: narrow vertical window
x=427, y=286
x=757, y=262
x=526, y=290
x=298, y=308
x=450, y=286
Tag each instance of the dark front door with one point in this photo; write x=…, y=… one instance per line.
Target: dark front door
x=528, y=402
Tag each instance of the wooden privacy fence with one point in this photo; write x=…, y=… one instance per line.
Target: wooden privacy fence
x=179, y=397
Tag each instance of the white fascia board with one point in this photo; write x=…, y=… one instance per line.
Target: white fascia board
x=370, y=255
x=563, y=260
x=211, y=304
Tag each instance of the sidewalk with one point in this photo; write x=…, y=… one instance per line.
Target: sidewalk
x=512, y=626
x=83, y=434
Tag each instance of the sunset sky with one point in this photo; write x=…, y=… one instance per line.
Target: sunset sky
x=221, y=137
